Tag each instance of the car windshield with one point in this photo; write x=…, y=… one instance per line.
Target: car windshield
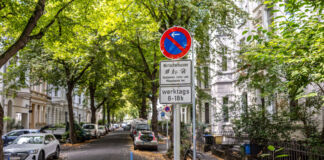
x=15, y=133
x=142, y=127
x=88, y=127
x=29, y=140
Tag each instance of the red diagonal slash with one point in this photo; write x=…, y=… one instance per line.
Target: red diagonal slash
x=175, y=42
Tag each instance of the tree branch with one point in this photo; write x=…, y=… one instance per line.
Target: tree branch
x=41, y=33
x=322, y=89
x=102, y=102
x=23, y=39
x=83, y=71
x=140, y=50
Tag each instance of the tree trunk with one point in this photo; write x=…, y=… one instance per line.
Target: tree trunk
x=108, y=114
x=103, y=114
x=171, y=129
x=93, y=109
x=71, y=116
x=1, y=131
x=154, y=113
x=143, y=111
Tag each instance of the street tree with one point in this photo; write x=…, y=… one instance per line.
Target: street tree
x=22, y=22
x=286, y=59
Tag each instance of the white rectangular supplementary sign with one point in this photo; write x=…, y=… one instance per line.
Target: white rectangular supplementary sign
x=175, y=72
x=175, y=95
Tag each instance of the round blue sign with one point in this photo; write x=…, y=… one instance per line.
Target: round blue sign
x=174, y=47
x=162, y=114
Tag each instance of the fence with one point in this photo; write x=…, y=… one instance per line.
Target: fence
x=295, y=151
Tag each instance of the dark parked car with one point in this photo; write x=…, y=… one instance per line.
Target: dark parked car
x=80, y=133
x=12, y=135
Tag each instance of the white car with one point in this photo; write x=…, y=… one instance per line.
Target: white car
x=102, y=130
x=145, y=139
x=36, y=146
x=92, y=130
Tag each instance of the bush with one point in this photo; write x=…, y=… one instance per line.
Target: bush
x=80, y=134
x=100, y=122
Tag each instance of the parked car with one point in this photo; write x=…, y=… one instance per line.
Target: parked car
x=11, y=136
x=123, y=125
x=34, y=146
x=145, y=139
x=134, y=123
x=128, y=127
x=57, y=130
x=92, y=130
x=139, y=127
x=116, y=126
x=102, y=130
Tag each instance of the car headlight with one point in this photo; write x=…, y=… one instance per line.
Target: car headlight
x=35, y=151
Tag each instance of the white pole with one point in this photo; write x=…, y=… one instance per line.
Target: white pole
x=176, y=132
x=167, y=134
x=193, y=101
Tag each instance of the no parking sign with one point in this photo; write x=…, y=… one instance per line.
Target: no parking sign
x=175, y=43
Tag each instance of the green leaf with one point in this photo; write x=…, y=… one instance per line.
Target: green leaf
x=279, y=17
x=280, y=149
x=271, y=148
x=313, y=94
x=283, y=155
x=265, y=155
x=249, y=38
x=267, y=2
x=244, y=32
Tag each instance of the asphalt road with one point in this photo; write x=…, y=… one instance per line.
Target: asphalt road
x=115, y=146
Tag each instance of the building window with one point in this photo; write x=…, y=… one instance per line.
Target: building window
x=224, y=63
x=56, y=92
x=198, y=77
x=207, y=113
x=225, y=109
x=269, y=17
x=214, y=101
x=206, y=77
x=79, y=99
x=183, y=115
x=244, y=103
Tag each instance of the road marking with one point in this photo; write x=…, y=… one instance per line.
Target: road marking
x=131, y=155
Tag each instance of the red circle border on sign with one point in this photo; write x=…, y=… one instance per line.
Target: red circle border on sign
x=166, y=110
x=164, y=36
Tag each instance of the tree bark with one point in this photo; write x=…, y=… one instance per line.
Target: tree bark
x=92, y=90
x=71, y=116
x=103, y=115
x=108, y=114
x=154, y=109
x=143, y=110
x=1, y=131
x=171, y=129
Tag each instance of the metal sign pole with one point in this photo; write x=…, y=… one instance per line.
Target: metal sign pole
x=193, y=103
x=167, y=134
x=176, y=132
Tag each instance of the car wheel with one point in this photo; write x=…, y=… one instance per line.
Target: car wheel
x=41, y=156
x=57, y=153
x=156, y=148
